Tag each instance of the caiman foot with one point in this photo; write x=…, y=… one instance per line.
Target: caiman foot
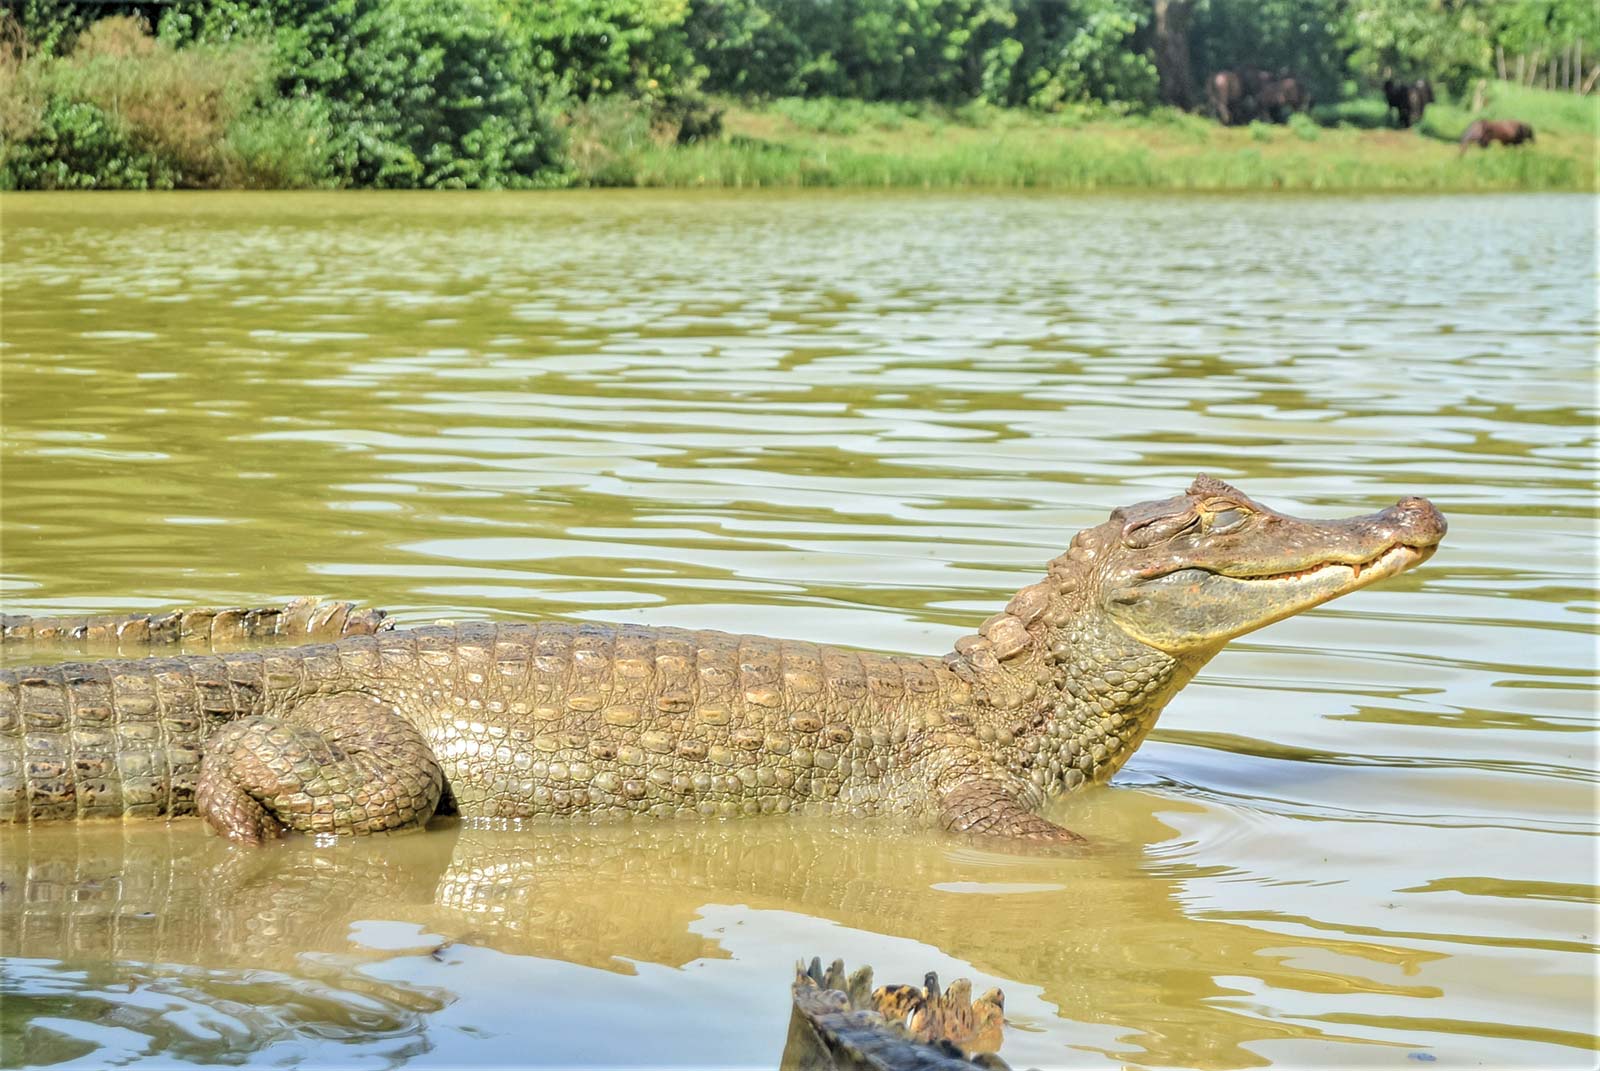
x=993, y=807
x=343, y=764
x=840, y=1023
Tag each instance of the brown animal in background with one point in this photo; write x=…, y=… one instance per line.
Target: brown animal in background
x=1256, y=93
x=1506, y=131
x=1226, y=93
x=1408, y=102
x=1281, y=95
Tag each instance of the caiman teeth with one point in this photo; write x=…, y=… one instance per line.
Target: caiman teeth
x=1356, y=568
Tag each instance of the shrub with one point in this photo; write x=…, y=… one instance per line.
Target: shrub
x=605, y=137
x=174, y=104
x=75, y=145
x=124, y=110
x=287, y=144
x=1304, y=127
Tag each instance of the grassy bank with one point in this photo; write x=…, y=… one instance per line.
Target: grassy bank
x=1346, y=147
x=124, y=110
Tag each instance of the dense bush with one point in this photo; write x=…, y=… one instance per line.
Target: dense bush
x=360, y=92
x=124, y=110
x=76, y=145
x=417, y=94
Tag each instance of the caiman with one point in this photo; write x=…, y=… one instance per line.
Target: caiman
x=508, y=721
x=839, y=1023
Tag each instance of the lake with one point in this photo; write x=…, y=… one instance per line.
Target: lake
x=1362, y=837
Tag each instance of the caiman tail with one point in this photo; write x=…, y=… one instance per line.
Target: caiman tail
x=123, y=738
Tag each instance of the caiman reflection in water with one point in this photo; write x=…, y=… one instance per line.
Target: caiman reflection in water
x=149, y=902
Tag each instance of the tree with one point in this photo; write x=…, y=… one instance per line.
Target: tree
x=1169, y=31
x=1447, y=41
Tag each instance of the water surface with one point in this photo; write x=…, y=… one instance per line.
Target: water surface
x=1363, y=837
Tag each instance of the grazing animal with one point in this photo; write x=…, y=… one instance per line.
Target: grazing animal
x=1256, y=93
x=1482, y=132
x=1281, y=95
x=1408, y=100
x=1226, y=93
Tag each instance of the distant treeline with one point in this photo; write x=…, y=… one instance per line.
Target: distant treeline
x=476, y=93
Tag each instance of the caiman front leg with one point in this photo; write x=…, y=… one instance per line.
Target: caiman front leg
x=337, y=764
x=994, y=803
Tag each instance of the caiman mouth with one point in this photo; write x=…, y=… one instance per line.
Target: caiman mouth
x=1396, y=559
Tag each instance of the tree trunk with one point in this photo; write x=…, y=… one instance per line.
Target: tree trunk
x=1500, y=61
x=1170, y=26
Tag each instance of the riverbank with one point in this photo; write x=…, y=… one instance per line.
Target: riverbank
x=1345, y=147
x=149, y=141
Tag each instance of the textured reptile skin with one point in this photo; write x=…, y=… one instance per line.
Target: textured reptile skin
x=840, y=1023
x=515, y=721
x=302, y=620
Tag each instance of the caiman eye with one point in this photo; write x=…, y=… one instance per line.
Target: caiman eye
x=1227, y=520
x=1159, y=530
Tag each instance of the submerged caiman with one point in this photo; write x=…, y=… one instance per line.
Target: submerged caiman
x=843, y=1023
x=375, y=732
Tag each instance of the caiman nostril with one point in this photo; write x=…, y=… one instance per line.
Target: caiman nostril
x=1421, y=519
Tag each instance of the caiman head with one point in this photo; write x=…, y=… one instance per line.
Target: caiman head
x=1081, y=663
x=1190, y=573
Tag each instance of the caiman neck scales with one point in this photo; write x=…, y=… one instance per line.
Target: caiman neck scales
x=521, y=720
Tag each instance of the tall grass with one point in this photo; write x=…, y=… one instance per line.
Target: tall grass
x=847, y=143
x=1093, y=166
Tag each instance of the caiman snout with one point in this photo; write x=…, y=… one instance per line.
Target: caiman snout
x=1415, y=522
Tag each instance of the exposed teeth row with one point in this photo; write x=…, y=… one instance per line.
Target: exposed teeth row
x=1355, y=568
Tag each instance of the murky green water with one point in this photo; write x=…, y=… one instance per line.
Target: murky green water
x=1363, y=837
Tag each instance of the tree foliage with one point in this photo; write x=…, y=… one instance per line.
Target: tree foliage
x=1448, y=43
x=1038, y=53
x=591, y=48
x=1301, y=36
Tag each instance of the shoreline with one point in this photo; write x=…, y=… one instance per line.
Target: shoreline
x=847, y=144
x=850, y=144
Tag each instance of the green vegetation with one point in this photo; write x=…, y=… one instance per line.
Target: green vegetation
x=848, y=143
x=520, y=93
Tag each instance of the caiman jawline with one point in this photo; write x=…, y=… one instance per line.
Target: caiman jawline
x=1384, y=560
